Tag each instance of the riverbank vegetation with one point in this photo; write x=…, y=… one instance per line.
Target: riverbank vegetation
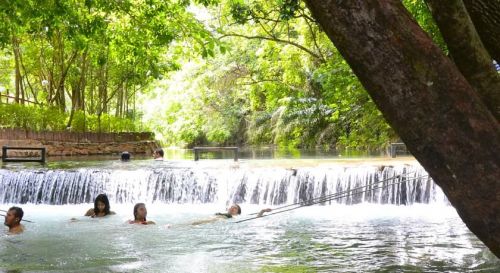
x=200, y=73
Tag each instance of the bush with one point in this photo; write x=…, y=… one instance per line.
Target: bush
x=52, y=119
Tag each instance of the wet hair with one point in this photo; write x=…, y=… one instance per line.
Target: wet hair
x=239, y=209
x=103, y=198
x=18, y=212
x=136, y=208
x=159, y=151
x=125, y=156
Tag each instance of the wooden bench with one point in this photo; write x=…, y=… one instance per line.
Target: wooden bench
x=23, y=159
x=394, y=148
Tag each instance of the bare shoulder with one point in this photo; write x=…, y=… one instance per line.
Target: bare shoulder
x=17, y=230
x=112, y=213
x=89, y=212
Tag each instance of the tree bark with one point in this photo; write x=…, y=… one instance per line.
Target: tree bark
x=486, y=17
x=33, y=93
x=429, y=103
x=467, y=50
x=18, y=80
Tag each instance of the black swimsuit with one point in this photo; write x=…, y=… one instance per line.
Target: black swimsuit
x=227, y=215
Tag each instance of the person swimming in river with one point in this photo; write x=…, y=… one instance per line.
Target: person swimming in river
x=140, y=213
x=13, y=220
x=101, y=207
x=233, y=211
x=158, y=154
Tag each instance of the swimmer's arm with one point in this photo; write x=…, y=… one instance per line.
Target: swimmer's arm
x=90, y=212
x=262, y=212
x=206, y=221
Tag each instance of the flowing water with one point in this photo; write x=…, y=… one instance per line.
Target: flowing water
x=404, y=227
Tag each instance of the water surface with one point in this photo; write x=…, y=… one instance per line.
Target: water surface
x=336, y=238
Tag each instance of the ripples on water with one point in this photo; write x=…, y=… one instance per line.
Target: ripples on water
x=360, y=238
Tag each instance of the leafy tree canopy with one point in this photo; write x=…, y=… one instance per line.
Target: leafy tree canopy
x=197, y=72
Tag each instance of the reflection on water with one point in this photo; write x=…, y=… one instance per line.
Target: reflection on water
x=337, y=238
x=244, y=153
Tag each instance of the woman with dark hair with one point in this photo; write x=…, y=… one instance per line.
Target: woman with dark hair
x=232, y=211
x=140, y=213
x=101, y=207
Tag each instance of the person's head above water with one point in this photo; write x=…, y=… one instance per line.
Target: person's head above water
x=234, y=210
x=13, y=217
x=140, y=212
x=125, y=156
x=101, y=204
x=158, y=153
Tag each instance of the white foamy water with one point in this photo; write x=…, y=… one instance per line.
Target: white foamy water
x=400, y=185
x=404, y=225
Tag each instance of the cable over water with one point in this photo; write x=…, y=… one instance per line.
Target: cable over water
x=332, y=197
x=342, y=192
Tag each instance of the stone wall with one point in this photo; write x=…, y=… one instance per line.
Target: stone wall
x=57, y=148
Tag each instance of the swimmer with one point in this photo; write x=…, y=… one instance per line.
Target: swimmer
x=101, y=207
x=140, y=213
x=125, y=156
x=13, y=220
x=232, y=211
x=158, y=154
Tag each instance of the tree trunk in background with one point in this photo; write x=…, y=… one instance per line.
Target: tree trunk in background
x=102, y=105
x=426, y=99
x=119, y=100
x=462, y=39
x=18, y=80
x=91, y=100
x=486, y=17
x=59, y=92
x=77, y=89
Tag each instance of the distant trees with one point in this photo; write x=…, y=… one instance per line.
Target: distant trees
x=278, y=80
x=91, y=56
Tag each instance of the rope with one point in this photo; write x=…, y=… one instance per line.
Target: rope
x=329, y=198
x=339, y=193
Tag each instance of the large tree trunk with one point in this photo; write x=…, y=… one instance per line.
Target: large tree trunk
x=467, y=50
x=486, y=17
x=429, y=103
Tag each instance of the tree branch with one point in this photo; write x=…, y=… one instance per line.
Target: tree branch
x=467, y=50
x=274, y=39
x=486, y=17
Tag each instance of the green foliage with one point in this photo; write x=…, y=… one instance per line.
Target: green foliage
x=95, y=55
x=31, y=117
x=422, y=14
x=52, y=119
x=268, y=91
x=254, y=72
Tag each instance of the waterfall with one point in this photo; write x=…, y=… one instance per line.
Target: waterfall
x=271, y=186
